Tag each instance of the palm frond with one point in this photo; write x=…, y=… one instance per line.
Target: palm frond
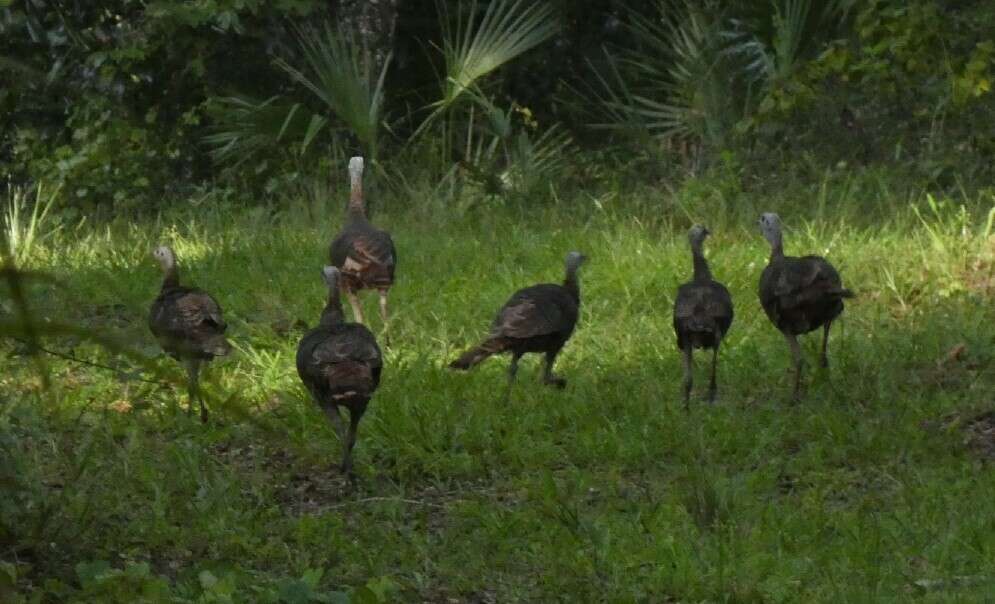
x=472, y=50
x=772, y=44
x=789, y=30
x=612, y=98
x=508, y=29
x=539, y=160
x=246, y=128
x=672, y=82
x=340, y=74
x=20, y=68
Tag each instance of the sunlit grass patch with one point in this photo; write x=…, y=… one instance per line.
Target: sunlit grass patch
x=871, y=488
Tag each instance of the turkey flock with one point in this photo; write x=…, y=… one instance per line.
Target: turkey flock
x=340, y=362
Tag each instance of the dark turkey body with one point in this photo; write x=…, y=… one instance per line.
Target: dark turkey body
x=519, y=346
x=365, y=256
x=702, y=314
x=800, y=295
x=188, y=324
x=340, y=365
x=540, y=318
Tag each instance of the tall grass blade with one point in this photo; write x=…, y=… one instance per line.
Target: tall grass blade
x=23, y=223
x=247, y=128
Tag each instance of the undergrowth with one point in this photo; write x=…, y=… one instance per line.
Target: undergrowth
x=868, y=490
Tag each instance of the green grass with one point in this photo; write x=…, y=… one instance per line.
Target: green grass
x=869, y=490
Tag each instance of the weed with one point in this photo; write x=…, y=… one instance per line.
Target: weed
x=605, y=491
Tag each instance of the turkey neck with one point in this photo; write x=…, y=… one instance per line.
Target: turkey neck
x=701, y=272
x=332, y=315
x=357, y=208
x=776, y=247
x=571, y=285
x=172, y=277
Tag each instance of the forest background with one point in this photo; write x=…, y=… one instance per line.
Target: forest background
x=519, y=130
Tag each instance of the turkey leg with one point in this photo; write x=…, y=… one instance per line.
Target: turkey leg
x=688, y=376
x=799, y=362
x=357, y=311
x=825, y=344
x=713, y=384
x=548, y=377
x=332, y=413
x=193, y=388
x=350, y=442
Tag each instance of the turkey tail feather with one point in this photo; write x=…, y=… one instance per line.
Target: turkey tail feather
x=477, y=354
x=349, y=379
x=701, y=325
x=217, y=345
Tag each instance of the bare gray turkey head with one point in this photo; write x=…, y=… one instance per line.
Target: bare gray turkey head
x=165, y=256
x=697, y=235
x=574, y=260
x=770, y=226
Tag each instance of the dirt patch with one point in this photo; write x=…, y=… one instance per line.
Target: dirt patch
x=110, y=315
x=301, y=486
x=978, y=431
x=958, y=367
x=297, y=489
x=319, y=491
x=980, y=275
x=313, y=491
x=979, y=435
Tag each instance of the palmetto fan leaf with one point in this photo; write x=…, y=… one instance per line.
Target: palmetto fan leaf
x=345, y=79
x=508, y=29
x=671, y=119
x=672, y=81
x=247, y=127
x=772, y=42
x=537, y=160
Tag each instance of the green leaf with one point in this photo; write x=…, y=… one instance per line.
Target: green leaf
x=365, y=595
x=314, y=127
x=312, y=577
x=294, y=591
x=338, y=597
x=207, y=579
x=507, y=30
x=90, y=572
x=8, y=579
x=287, y=120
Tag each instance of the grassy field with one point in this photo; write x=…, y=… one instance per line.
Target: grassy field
x=877, y=487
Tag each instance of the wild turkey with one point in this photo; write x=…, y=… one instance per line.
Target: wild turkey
x=364, y=254
x=799, y=295
x=188, y=324
x=702, y=314
x=540, y=318
x=340, y=365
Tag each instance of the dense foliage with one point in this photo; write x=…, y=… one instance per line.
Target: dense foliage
x=127, y=102
x=500, y=134
x=877, y=487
